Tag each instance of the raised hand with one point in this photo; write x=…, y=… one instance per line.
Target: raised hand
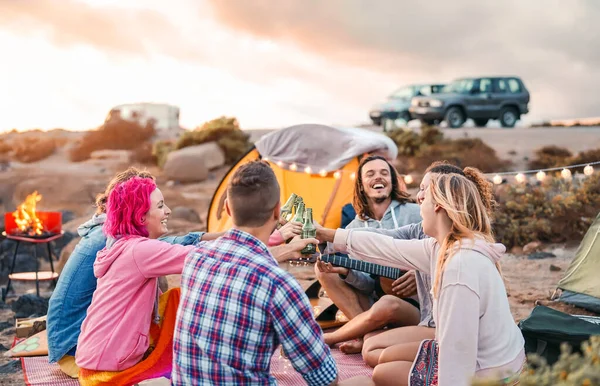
x=290, y=230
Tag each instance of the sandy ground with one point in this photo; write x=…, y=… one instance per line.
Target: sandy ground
x=72, y=186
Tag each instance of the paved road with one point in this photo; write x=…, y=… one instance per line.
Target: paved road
x=522, y=140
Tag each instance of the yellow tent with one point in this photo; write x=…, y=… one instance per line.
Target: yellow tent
x=317, y=162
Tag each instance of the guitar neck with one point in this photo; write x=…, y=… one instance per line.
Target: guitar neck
x=363, y=266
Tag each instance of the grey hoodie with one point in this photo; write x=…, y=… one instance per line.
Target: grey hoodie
x=475, y=328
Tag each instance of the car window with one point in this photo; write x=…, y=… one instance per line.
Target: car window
x=425, y=91
x=460, y=86
x=404, y=92
x=437, y=88
x=514, y=86
x=485, y=86
x=500, y=86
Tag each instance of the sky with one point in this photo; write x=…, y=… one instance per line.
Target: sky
x=65, y=64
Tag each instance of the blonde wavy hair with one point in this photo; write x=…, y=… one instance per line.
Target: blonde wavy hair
x=462, y=200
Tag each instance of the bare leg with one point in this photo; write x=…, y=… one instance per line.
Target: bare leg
x=357, y=381
x=387, y=310
x=374, y=346
x=395, y=363
x=349, y=301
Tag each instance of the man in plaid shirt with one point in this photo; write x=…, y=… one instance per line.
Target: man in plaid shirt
x=237, y=305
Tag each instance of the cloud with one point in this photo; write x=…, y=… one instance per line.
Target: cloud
x=116, y=29
x=549, y=43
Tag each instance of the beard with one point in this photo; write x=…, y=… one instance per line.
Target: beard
x=380, y=200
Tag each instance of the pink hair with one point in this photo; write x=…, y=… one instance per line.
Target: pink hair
x=127, y=204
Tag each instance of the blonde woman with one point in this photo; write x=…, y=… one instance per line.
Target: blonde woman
x=476, y=334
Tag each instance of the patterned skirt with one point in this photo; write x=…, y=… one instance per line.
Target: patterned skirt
x=424, y=370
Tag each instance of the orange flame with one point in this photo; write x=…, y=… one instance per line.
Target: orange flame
x=25, y=217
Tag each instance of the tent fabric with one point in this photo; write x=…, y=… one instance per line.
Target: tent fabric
x=323, y=147
x=581, y=278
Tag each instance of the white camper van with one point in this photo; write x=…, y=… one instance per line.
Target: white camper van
x=166, y=117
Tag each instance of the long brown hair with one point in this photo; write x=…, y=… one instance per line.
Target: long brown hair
x=360, y=202
x=461, y=200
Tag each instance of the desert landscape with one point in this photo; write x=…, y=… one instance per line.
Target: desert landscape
x=70, y=187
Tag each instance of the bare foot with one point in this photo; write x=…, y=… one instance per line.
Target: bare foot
x=352, y=347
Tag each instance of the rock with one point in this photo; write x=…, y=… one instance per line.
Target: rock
x=67, y=216
x=184, y=213
x=533, y=246
x=30, y=306
x=11, y=367
x=540, y=255
x=516, y=250
x=5, y=325
x=554, y=268
x=191, y=164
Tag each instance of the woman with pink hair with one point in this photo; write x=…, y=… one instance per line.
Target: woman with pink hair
x=115, y=333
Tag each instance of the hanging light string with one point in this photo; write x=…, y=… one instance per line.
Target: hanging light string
x=543, y=170
x=520, y=176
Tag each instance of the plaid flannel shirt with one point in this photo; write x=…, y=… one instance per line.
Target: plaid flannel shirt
x=236, y=307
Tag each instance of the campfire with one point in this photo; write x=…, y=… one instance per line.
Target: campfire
x=26, y=221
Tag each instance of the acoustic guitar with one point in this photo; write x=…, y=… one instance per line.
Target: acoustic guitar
x=387, y=275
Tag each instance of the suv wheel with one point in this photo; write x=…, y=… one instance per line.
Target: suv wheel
x=480, y=122
x=509, y=117
x=405, y=115
x=455, y=117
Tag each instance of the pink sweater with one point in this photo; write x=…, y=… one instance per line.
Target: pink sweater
x=114, y=334
x=475, y=329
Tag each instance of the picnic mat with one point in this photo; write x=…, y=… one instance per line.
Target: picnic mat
x=38, y=372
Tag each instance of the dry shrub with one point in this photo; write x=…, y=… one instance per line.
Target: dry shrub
x=5, y=147
x=549, y=157
x=33, y=149
x=160, y=151
x=225, y=131
x=143, y=154
x=554, y=211
x=416, y=151
x=461, y=152
x=116, y=134
x=571, y=369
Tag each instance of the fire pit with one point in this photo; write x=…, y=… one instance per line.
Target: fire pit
x=28, y=225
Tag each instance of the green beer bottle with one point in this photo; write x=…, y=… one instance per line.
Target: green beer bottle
x=299, y=217
x=289, y=206
x=308, y=231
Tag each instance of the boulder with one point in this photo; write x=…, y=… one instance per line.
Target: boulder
x=29, y=306
x=184, y=213
x=531, y=247
x=191, y=164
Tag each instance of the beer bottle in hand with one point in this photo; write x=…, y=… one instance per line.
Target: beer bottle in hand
x=308, y=231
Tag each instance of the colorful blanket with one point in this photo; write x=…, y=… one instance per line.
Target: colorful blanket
x=158, y=362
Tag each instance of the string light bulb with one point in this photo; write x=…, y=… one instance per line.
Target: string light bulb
x=307, y=170
x=497, y=179
x=337, y=175
x=520, y=178
x=280, y=164
x=408, y=179
x=293, y=167
x=540, y=175
x=566, y=174
x=588, y=170
x=353, y=176
x=323, y=173
x=266, y=159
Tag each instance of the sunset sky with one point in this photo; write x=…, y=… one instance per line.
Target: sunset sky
x=273, y=63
